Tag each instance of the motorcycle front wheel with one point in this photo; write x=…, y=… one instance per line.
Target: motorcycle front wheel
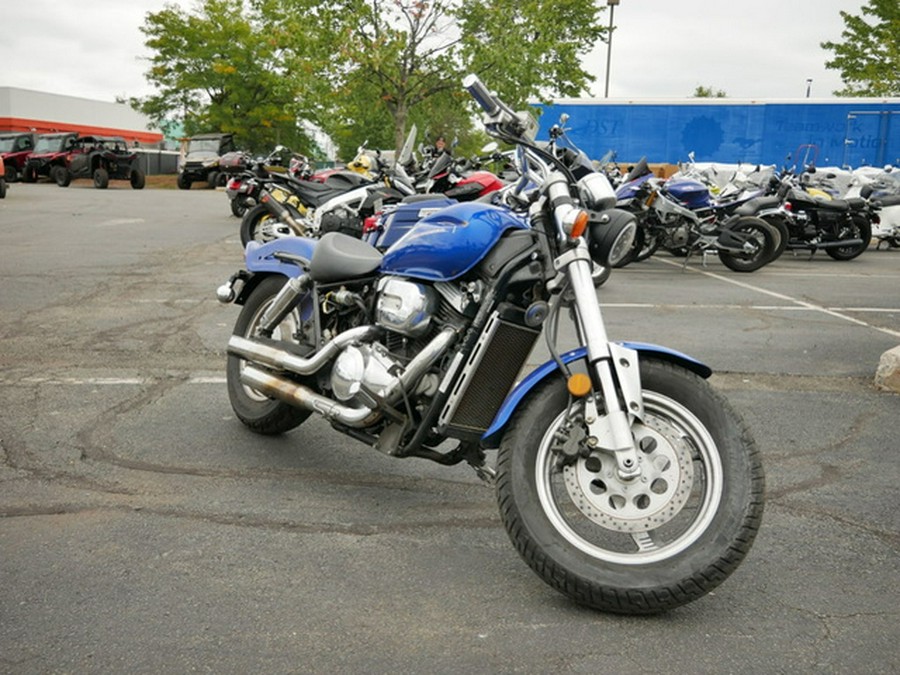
x=259, y=412
x=641, y=546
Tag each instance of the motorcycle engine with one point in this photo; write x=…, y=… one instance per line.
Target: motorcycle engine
x=405, y=309
x=358, y=365
x=679, y=236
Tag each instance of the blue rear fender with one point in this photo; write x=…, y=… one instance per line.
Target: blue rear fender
x=272, y=256
x=287, y=257
x=491, y=437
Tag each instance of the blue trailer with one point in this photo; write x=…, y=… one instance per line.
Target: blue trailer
x=849, y=132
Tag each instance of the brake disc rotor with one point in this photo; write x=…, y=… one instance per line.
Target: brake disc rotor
x=644, y=503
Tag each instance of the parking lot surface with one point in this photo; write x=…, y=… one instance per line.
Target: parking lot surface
x=145, y=530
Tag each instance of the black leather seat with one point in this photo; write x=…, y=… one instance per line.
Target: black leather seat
x=339, y=256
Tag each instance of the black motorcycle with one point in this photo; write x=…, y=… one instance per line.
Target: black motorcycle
x=811, y=221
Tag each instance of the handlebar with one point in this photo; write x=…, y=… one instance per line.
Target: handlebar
x=480, y=93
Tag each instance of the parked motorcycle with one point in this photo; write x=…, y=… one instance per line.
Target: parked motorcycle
x=809, y=219
x=461, y=179
x=680, y=216
x=340, y=203
x=623, y=479
x=248, y=175
x=881, y=187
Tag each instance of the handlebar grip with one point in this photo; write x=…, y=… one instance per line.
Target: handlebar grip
x=481, y=94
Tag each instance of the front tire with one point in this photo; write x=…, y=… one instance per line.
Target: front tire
x=639, y=547
x=62, y=176
x=257, y=411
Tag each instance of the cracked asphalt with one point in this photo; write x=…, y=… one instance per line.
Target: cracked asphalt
x=144, y=530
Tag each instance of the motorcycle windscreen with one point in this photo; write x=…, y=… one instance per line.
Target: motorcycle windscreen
x=450, y=242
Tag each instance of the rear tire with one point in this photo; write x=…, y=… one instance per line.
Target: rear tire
x=101, y=178
x=238, y=207
x=138, y=180
x=258, y=224
x=643, y=547
x=863, y=230
x=763, y=243
x=258, y=412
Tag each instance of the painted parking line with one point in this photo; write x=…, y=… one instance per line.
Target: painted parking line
x=105, y=381
x=766, y=308
x=805, y=304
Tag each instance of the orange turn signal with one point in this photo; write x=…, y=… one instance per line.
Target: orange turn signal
x=581, y=223
x=579, y=385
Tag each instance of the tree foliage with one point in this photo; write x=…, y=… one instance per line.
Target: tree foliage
x=869, y=56
x=360, y=69
x=219, y=69
x=708, y=92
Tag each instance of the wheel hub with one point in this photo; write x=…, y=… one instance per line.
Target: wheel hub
x=641, y=504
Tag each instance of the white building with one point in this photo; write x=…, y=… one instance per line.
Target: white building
x=42, y=113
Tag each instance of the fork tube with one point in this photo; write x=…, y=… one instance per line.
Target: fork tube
x=593, y=330
x=614, y=431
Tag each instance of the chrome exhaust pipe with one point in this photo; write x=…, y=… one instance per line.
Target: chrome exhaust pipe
x=304, y=397
x=279, y=359
x=274, y=386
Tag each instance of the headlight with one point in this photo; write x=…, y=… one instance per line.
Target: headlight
x=611, y=236
x=595, y=192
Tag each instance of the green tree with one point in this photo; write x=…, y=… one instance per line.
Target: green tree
x=869, y=56
x=708, y=92
x=218, y=69
x=408, y=57
x=360, y=69
x=527, y=49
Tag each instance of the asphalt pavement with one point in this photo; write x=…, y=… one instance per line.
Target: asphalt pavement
x=143, y=529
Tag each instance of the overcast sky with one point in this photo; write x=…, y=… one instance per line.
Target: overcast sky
x=661, y=48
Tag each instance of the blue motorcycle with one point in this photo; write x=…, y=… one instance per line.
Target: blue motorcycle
x=680, y=216
x=623, y=479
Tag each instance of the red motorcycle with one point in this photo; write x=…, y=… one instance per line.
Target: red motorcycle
x=449, y=177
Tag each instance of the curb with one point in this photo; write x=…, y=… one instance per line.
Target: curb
x=887, y=377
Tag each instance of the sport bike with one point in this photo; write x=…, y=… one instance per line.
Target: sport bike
x=623, y=479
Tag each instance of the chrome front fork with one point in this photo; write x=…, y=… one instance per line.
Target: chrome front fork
x=615, y=369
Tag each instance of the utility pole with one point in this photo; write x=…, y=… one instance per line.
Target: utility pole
x=612, y=10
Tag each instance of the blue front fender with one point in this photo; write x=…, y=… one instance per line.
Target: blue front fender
x=491, y=437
